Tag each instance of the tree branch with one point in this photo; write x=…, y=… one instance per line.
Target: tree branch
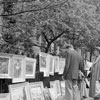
x=45, y=37
x=35, y=10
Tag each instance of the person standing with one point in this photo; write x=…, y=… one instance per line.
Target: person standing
x=74, y=63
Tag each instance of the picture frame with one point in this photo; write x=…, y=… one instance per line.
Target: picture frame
x=51, y=67
x=44, y=63
x=30, y=64
x=62, y=84
x=5, y=96
x=19, y=91
x=5, y=65
x=56, y=63
x=18, y=69
x=54, y=89
x=58, y=87
x=61, y=65
x=36, y=91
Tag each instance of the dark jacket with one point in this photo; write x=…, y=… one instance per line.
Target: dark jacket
x=74, y=63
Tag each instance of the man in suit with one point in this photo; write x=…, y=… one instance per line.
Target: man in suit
x=74, y=63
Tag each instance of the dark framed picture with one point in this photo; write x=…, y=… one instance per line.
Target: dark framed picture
x=30, y=64
x=18, y=69
x=19, y=91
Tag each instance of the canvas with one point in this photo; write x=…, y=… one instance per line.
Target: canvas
x=30, y=64
x=36, y=91
x=62, y=84
x=19, y=91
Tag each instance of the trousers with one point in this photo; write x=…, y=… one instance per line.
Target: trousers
x=72, y=91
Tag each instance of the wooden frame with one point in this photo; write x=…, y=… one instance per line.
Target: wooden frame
x=61, y=65
x=18, y=68
x=19, y=91
x=36, y=91
x=30, y=64
x=5, y=65
x=5, y=96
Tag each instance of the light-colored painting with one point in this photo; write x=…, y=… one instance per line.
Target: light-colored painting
x=62, y=87
x=19, y=91
x=36, y=91
x=56, y=63
x=30, y=64
x=61, y=65
x=18, y=69
x=5, y=65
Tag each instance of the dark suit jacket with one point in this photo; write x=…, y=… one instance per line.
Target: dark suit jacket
x=74, y=63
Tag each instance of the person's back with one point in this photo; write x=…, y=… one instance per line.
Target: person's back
x=75, y=64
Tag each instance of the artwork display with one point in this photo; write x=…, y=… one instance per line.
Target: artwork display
x=18, y=69
x=62, y=84
x=58, y=87
x=51, y=67
x=44, y=63
x=53, y=88
x=61, y=65
x=56, y=63
x=30, y=64
x=36, y=91
x=19, y=91
x=5, y=65
x=5, y=96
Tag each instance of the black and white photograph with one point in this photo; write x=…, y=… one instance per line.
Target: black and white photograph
x=62, y=36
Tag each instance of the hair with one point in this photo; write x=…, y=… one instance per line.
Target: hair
x=67, y=46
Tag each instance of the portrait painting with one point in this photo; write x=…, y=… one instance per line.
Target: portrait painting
x=18, y=69
x=30, y=64
x=5, y=65
x=5, y=96
x=19, y=91
x=56, y=63
x=36, y=91
x=51, y=67
x=61, y=65
x=43, y=61
x=62, y=84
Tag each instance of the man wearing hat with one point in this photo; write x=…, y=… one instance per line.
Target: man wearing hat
x=74, y=63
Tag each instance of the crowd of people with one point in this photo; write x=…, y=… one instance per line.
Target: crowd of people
x=82, y=78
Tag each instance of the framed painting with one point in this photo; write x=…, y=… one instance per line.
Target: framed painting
x=30, y=64
x=5, y=65
x=19, y=91
x=62, y=84
x=61, y=65
x=51, y=67
x=43, y=61
x=5, y=96
x=58, y=87
x=18, y=68
x=56, y=63
x=36, y=91
x=53, y=88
